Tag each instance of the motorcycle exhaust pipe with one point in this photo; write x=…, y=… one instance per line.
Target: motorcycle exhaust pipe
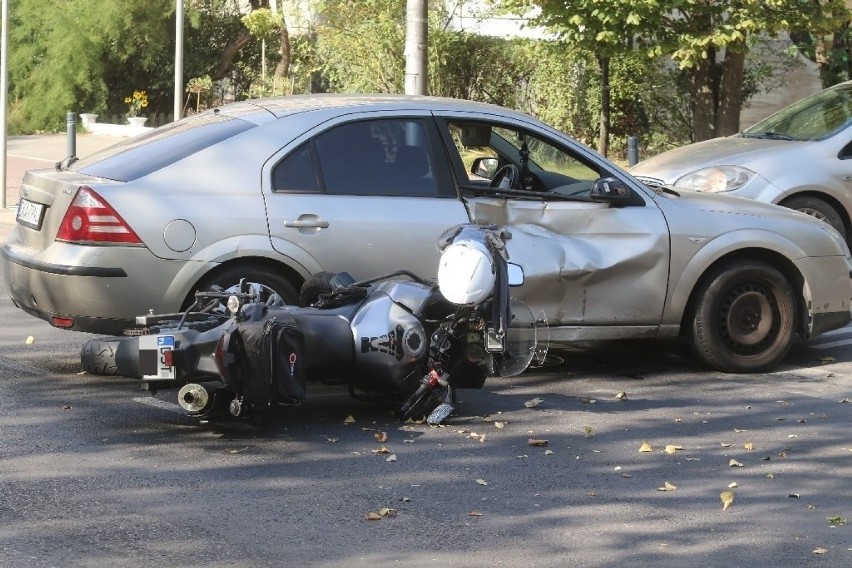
x=195, y=398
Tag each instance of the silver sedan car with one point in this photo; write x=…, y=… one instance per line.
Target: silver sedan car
x=275, y=190
x=800, y=157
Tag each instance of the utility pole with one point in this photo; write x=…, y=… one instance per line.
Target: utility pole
x=416, y=42
x=4, y=87
x=178, y=109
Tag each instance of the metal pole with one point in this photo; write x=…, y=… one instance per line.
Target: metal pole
x=416, y=31
x=632, y=150
x=4, y=88
x=71, y=134
x=178, y=59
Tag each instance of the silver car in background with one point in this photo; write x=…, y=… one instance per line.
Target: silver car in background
x=800, y=157
x=276, y=190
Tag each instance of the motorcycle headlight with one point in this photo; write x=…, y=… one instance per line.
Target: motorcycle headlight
x=715, y=179
x=466, y=274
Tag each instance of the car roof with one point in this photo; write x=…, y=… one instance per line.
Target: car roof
x=292, y=104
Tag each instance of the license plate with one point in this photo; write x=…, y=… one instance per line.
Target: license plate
x=152, y=356
x=30, y=214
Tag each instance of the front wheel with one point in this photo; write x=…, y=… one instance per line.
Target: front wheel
x=745, y=318
x=819, y=208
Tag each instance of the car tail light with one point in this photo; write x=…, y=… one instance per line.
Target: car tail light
x=62, y=322
x=90, y=219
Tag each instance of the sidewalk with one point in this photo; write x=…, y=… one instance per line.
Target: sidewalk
x=39, y=151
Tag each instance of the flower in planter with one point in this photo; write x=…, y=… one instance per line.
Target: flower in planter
x=136, y=102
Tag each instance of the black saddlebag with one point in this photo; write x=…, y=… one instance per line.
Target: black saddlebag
x=266, y=361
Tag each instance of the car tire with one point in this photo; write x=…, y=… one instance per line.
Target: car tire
x=745, y=318
x=230, y=277
x=98, y=356
x=819, y=208
x=314, y=286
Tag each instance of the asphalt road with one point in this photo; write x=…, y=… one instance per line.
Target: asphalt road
x=94, y=472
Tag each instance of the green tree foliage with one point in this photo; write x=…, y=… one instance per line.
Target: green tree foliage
x=709, y=40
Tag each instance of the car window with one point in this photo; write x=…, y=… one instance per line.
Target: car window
x=813, y=118
x=377, y=157
x=156, y=149
x=484, y=148
x=296, y=172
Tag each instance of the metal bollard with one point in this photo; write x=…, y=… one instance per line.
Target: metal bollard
x=71, y=129
x=632, y=150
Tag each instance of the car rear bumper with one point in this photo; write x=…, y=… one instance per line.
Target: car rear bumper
x=100, y=290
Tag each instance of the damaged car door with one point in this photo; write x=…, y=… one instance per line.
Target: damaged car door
x=597, y=264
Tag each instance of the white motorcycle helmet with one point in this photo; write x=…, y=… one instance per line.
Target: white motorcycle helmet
x=466, y=274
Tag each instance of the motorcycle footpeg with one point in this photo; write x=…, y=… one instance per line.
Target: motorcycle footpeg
x=441, y=413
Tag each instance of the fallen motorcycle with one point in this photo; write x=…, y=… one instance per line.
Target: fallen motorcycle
x=395, y=339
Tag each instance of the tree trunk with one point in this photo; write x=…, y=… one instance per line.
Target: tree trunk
x=731, y=91
x=226, y=62
x=703, y=101
x=283, y=67
x=603, y=138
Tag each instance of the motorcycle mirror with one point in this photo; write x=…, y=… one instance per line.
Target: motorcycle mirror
x=516, y=274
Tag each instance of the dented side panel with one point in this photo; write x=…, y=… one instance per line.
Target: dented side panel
x=585, y=263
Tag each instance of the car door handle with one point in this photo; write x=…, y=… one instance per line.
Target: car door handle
x=307, y=222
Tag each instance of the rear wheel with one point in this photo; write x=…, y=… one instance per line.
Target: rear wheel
x=745, y=318
x=98, y=356
x=261, y=279
x=819, y=208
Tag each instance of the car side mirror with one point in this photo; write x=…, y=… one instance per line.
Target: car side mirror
x=515, y=274
x=610, y=190
x=484, y=167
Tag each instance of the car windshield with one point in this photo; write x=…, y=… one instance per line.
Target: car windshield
x=813, y=118
x=141, y=155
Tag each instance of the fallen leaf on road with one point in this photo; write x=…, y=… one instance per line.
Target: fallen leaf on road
x=381, y=437
x=621, y=396
x=533, y=403
x=499, y=424
x=30, y=340
x=391, y=458
x=732, y=485
x=820, y=550
x=382, y=450
x=667, y=487
x=672, y=449
x=482, y=482
x=726, y=445
x=373, y=516
x=587, y=430
x=536, y=442
x=349, y=420
x=734, y=463
x=837, y=521
x=474, y=514
x=646, y=447
x=548, y=452
x=727, y=498
x=748, y=446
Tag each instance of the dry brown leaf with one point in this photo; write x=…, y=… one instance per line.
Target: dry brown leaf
x=391, y=458
x=482, y=482
x=500, y=424
x=667, y=487
x=381, y=437
x=732, y=485
x=474, y=514
x=727, y=498
x=548, y=452
x=748, y=446
x=30, y=340
x=383, y=450
x=621, y=396
x=646, y=447
x=373, y=516
x=349, y=420
x=533, y=403
x=820, y=550
x=734, y=463
x=587, y=430
x=536, y=442
x=726, y=444
x=673, y=449
x=387, y=512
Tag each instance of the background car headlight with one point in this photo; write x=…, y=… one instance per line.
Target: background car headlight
x=715, y=179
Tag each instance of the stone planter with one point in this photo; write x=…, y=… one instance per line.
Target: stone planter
x=137, y=120
x=88, y=118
